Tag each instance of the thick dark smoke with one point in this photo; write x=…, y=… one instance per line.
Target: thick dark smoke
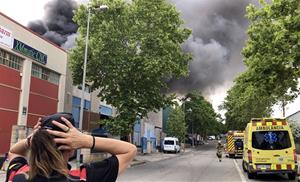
x=219, y=33
x=57, y=24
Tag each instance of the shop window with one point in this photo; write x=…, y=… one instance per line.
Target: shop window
x=11, y=60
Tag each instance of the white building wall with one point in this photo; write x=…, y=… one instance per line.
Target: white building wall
x=295, y=117
x=24, y=94
x=152, y=124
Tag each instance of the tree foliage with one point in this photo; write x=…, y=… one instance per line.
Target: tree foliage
x=272, y=51
x=295, y=127
x=133, y=47
x=176, y=126
x=272, y=58
x=200, y=115
x=243, y=102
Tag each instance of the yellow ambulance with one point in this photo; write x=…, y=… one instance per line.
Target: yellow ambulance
x=269, y=148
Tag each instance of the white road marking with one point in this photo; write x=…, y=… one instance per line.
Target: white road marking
x=240, y=172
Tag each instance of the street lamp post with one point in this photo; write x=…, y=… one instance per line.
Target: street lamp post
x=101, y=8
x=190, y=110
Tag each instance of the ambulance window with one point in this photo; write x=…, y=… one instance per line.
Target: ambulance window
x=271, y=140
x=239, y=143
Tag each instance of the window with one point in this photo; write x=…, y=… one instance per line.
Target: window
x=169, y=142
x=87, y=88
x=54, y=77
x=11, y=60
x=45, y=74
x=77, y=101
x=105, y=110
x=87, y=105
x=238, y=143
x=36, y=71
x=271, y=140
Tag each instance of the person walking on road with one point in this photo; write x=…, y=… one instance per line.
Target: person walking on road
x=219, y=150
x=53, y=142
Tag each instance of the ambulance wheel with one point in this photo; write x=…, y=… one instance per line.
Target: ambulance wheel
x=292, y=176
x=250, y=175
x=244, y=168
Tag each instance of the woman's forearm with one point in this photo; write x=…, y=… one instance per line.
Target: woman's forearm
x=112, y=146
x=124, y=151
x=18, y=149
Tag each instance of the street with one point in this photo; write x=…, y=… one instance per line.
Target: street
x=199, y=165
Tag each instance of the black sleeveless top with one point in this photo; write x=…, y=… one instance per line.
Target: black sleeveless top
x=102, y=171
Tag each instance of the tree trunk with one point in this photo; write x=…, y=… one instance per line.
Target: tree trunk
x=283, y=108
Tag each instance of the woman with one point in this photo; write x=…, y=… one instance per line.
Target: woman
x=54, y=142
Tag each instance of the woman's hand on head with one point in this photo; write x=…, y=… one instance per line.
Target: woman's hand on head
x=71, y=139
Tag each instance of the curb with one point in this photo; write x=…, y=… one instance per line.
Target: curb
x=137, y=163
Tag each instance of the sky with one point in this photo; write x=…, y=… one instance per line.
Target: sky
x=216, y=16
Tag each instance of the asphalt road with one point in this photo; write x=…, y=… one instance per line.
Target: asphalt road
x=199, y=165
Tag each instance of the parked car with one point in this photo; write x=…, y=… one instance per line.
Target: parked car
x=171, y=144
x=211, y=137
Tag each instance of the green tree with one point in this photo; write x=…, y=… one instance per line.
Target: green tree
x=176, y=126
x=295, y=127
x=272, y=53
x=272, y=58
x=200, y=115
x=245, y=101
x=133, y=48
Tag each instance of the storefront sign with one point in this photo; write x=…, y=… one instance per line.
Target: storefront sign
x=5, y=37
x=30, y=52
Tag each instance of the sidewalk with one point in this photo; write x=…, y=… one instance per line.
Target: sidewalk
x=157, y=156
x=2, y=175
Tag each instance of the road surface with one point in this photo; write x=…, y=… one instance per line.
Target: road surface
x=197, y=166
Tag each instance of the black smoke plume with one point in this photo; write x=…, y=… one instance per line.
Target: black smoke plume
x=57, y=24
x=219, y=33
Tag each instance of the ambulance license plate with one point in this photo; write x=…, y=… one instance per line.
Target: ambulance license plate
x=263, y=166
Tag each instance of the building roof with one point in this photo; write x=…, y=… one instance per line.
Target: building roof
x=293, y=114
x=27, y=29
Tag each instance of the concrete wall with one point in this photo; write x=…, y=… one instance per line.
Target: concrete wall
x=151, y=128
x=68, y=90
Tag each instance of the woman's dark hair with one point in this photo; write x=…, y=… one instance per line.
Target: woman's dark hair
x=45, y=158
